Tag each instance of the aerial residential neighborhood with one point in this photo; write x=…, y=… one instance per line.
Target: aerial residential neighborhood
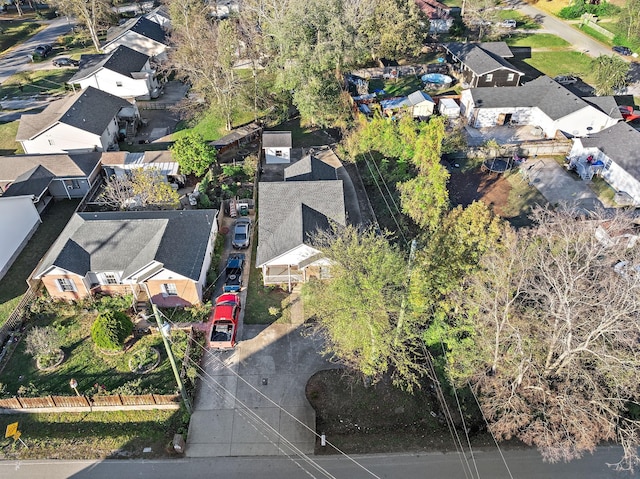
x=327, y=239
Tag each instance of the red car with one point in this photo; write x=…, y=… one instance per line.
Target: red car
x=224, y=321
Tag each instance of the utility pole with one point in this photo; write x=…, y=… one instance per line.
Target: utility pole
x=403, y=305
x=164, y=331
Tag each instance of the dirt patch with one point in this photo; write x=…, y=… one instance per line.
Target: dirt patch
x=469, y=185
x=381, y=418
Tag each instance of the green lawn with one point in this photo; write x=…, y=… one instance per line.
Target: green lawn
x=91, y=435
x=261, y=299
x=211, y=125
x=559, y=63
x=85, y=363
x=397, y=87
x=16, y=31
x=523, y=21
x=537, y=40
x=47, y=82
x=8, y=143
x=14, y=285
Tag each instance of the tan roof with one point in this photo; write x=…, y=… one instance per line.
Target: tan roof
x=61, y=165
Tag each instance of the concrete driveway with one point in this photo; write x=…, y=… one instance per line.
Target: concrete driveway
x=558, y=185
x=252, y=400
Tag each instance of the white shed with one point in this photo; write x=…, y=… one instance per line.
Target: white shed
x=20, y=220
x=449, y=108
x=276, y=146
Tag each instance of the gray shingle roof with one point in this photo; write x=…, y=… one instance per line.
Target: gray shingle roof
x=142, y=26
x=606, y=104
x=310, y=168
x=291, y=211
x=129, y=240
x=552, y=98
x=33, y=182
x=619, y=142
x=418, y=97
x=122, y=60
x=68, y=166
x=479, y=59
x=275, y=139
x=89, y=110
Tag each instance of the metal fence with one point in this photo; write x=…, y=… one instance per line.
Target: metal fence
x=16, y=318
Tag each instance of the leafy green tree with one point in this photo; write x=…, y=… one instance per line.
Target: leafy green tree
x=611, y=74
x=110, y=329
x=359, y=308
x=546, y=332
x=425, y=197
x=193, y=154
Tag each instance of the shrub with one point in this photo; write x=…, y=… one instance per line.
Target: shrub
x=43, y=342
x=231, y=171
x=110, y=329
x=250, y=166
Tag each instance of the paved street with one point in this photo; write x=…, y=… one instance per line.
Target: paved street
x=18, y=58
x=523, y=464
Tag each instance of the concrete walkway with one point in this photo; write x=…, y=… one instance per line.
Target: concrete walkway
x=252, y=400
x=558, y=185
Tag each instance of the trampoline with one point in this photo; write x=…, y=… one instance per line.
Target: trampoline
x=498, y=165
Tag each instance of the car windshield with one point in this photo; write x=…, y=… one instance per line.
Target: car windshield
x=240, y=235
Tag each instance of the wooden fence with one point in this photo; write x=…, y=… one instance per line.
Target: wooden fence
x=115, y=401
x=16, y=318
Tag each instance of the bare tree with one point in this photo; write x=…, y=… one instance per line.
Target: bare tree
x=94, y=14
x=141, y=188
x=554, y=325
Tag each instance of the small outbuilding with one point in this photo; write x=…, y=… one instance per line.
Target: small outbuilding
x=448, y=107
x=276, y=146
x=421, y=104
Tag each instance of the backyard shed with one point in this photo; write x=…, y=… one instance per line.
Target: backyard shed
x=449, y=108
x=276, y=146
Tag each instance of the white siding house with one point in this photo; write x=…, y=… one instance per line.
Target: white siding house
x=542, y=103
x=124, y=72
x=618, y=150
x=81, y=123
x=140, y=34
x=20, y=220
x=276, y=146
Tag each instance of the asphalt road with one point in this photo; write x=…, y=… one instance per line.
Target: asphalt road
x=523, y=464
x=18, y=58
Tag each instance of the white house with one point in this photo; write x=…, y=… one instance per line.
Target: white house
x=276, y=146
x=123, y=72
x=84, y=122
x=541, y=102
x=291, y=212
x=20, y=220
x=615, y=154
x=140, y=34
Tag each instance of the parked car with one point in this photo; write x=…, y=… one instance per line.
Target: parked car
x=42, y=51
x=233, y=273
x=509, y=23
x=241, y=233
x=224, y=321
x=566, y=79
x=622, y=50
x=65, y=62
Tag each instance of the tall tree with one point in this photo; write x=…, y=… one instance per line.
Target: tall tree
x=629, y=19
x=610, y=74
x=193, y=154
x=93, y=14
x=547, y=333
x=359, y=308
x=205, y=53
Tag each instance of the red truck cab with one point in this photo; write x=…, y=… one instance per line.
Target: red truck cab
x=224, y=321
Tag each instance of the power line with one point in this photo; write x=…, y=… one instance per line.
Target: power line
x=384, y=182
x=272, y=402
